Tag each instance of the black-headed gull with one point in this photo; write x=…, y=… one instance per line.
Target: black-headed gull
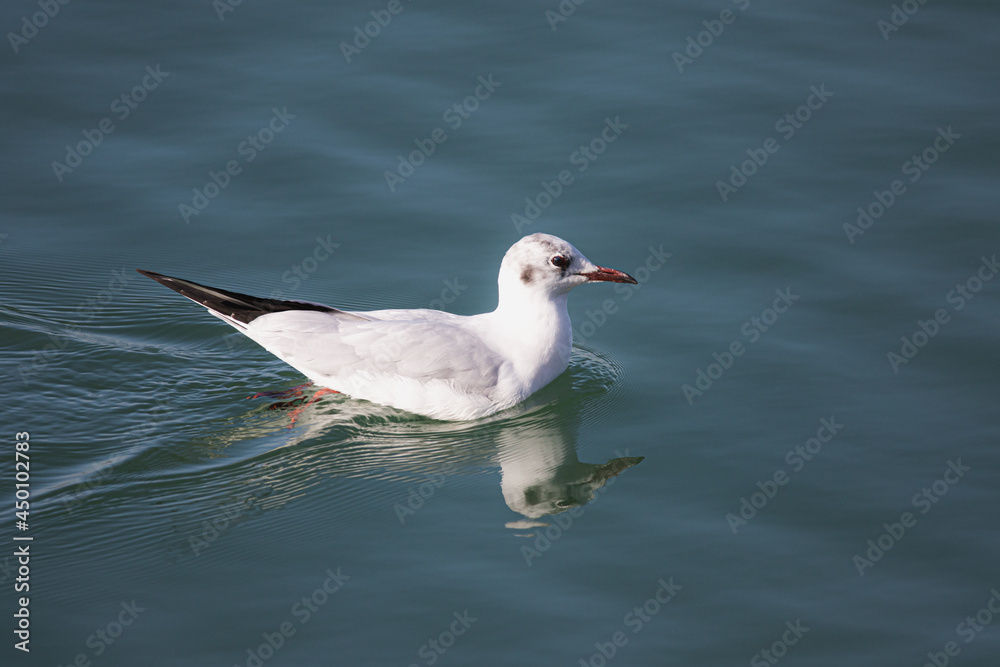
x=428, y=362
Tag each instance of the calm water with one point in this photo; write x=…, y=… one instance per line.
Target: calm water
x=815, y=490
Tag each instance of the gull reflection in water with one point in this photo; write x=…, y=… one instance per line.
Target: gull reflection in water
x=534, y=445
x=541, y=473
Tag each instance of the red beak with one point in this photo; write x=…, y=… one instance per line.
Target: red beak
x=603, y=274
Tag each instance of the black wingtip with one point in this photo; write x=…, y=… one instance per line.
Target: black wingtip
x=166, y=281
x=235, y=305
x=150, y=274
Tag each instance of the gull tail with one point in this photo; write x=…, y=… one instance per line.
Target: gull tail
x=234, y=308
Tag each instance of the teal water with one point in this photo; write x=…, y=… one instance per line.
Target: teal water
x=814, y=490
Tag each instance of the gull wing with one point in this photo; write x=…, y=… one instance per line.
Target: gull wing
x=346, y=353
x=424, y=361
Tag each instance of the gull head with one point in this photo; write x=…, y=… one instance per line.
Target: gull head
x=546, y=264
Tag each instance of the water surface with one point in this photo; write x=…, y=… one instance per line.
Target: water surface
x=801, y=491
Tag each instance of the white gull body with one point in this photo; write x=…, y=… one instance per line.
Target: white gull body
x=428, y=362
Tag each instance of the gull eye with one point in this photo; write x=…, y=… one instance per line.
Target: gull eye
x=559, y=261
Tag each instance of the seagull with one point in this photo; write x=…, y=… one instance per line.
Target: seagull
x=428, y=362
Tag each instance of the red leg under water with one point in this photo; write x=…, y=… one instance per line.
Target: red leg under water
x=301, y=406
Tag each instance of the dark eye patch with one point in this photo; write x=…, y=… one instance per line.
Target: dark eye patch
x=560, y=261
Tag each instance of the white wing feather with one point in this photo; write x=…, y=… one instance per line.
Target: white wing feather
x=417, y=361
